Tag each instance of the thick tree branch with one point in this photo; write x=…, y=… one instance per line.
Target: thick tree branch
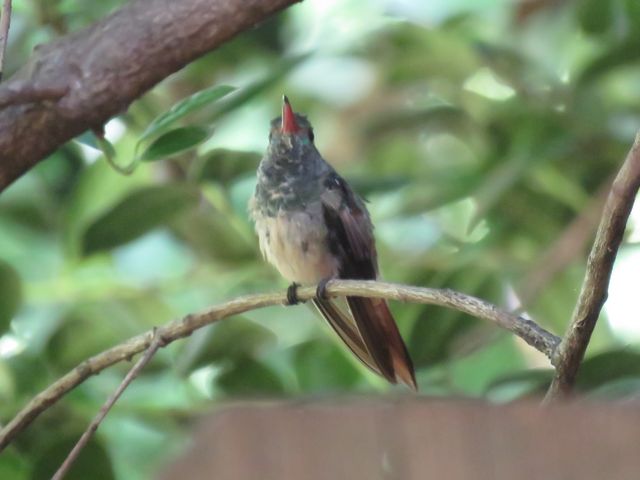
x=531, y=332
x=5, y=21
x=593, y=294
x=19, y=93
x=102, y=69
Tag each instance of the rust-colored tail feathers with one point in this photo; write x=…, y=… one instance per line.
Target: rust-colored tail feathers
x=373, y=337
x=382, y=338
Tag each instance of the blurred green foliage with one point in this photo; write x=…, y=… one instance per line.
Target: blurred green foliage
x=478, y=131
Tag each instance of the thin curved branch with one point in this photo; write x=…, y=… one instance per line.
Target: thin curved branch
x=73, y=455
x=105, y=67
x=593, y=294
x=528, y=330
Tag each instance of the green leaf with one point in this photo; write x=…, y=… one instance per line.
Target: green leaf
x=322, y=365
x=221, y=165
x=100, y=325
x=276, y=73
x=30, y=373
x=445, y=118
x=595, y=16
x=472, y=374
x=371, y=185
x=93, y=461
x=624, y=53
x=174, y=142
x=632, y=14
x=218, y=231
x=183, y=108
x=136, y=214
x=439, y=334
x=237, y=338
x=607, y=367
x=109, y=153
x=247, y=376
x=10, y=294
x=518, y=385
x=106, y=147
x=98, y=188
x=90, y=139
x=13, y=466
x=621, y=388
x=431, y=342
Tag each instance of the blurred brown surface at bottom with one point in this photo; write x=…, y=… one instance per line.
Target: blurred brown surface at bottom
x=414, y=439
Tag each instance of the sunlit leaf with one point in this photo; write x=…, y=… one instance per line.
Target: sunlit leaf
x=137, y=213
x=174, y=142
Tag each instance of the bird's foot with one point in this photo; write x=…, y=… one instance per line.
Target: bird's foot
x=292, y=294
x=321, y=289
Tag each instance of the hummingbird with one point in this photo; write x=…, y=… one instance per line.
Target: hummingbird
x=313, y=227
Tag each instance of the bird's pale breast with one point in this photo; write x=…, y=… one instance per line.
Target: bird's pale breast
x=294, y=241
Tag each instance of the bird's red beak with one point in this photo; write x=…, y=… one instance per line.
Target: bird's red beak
x=289, y=124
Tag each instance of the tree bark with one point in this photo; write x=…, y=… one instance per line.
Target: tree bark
x=83, y=79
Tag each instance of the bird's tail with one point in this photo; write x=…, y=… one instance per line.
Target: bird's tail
x=380, y=334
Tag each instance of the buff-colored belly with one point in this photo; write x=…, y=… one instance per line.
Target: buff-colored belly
x=295, y=242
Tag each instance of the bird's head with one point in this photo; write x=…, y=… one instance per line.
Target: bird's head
x=290, y=133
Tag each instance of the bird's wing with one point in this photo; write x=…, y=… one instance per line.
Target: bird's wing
x=350, y=238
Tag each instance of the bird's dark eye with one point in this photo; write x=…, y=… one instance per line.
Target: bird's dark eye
x=311, y=136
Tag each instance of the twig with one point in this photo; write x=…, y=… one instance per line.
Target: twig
x=593, y=294
x=156, y=343
x=531, y=332
x=5, y=21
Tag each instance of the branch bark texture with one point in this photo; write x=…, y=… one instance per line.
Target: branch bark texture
x=594, y=290
x=5, y=21
x=104, y=68
x=531, y=332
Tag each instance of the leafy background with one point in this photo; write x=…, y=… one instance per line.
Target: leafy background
x=483, y=133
